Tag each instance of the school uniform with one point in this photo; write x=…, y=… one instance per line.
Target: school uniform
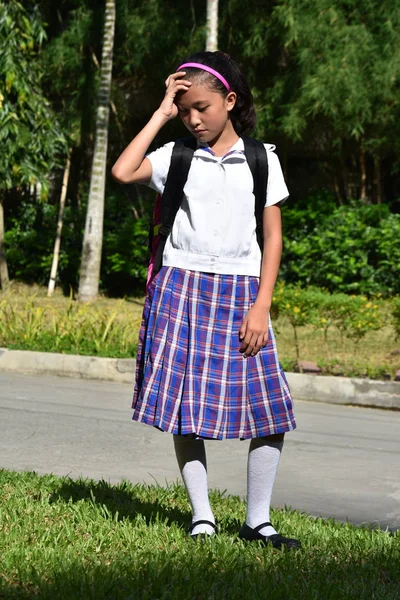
x=191, y=378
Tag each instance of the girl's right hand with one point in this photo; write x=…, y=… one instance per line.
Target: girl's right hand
x=174, y=84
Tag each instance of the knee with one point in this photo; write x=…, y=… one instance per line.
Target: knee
x=268, y=440
x=276, y=437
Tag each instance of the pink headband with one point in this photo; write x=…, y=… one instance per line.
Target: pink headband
x=209, y=70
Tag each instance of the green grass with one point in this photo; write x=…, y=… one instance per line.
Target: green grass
x=64, y=540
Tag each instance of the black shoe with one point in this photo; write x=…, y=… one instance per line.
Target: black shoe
x=201, y=536
x=276, y=540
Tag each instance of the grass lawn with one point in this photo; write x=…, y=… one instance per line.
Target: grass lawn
x=75, y=540
x=108, y=327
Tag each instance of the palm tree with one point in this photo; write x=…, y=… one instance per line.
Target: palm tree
x=212, y=25
x=93, y=237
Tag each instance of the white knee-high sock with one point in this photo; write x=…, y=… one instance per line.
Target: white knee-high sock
x=191, y=456
x=263, y=461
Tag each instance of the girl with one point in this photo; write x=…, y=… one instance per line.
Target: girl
x=207, y=364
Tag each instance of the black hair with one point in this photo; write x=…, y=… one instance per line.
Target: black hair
x=243, y=115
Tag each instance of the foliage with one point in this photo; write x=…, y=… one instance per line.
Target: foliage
x=80, y=329
x=353, y=249
x=30, y=239
x=362, y=316
x=325, y=78
x=396, y=316
x=351, y=317
x=125, y=253
x=309, y=324
x=29, y=134
x=66, y=539
x=298, y=306
x=332, y=45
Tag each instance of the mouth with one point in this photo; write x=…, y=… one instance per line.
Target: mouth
x=199, y=131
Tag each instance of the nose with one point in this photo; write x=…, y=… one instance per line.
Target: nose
x=194, y=119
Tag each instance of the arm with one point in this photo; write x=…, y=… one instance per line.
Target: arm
x=254, y=330
x=132, y=166
x=272, y=227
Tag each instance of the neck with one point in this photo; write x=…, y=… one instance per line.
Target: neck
x=224, y=141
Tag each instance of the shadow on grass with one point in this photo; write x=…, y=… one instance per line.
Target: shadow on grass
x=158, y=563
x=212, y=571
x=126, y=502
x=123, y=500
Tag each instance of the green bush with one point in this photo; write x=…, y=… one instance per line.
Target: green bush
x=31, y=228
x=353, y=249
x=350, y=249
x=298, y=306
x=125, y=245
x=352, y=317
x=396, y=316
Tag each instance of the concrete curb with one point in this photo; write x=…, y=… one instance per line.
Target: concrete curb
x=315, y=388
x=120, y=370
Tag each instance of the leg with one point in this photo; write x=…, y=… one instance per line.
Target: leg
x=262, y=466
x=264, y=455
x=191, y=455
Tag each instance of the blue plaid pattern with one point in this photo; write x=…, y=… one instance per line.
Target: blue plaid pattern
x=190, y=376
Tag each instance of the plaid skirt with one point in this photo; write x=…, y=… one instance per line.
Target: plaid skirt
x=190, y=376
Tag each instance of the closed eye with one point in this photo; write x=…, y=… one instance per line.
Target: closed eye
x=184, y=111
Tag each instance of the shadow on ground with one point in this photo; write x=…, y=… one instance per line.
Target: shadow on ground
x=160, y=563
x=122, y=501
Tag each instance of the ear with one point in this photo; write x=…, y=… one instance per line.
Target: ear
x=230, y=101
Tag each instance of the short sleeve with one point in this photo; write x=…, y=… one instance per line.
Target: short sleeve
x=277, y=191
x=160, y=161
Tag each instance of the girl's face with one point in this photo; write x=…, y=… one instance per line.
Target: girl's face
x=204, y=112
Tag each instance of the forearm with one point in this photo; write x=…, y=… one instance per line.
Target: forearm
x=132, y=157
x=269, y=271
x=271, y=257
x=254, y=329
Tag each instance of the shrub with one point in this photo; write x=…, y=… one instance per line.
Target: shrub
x=354, y=249
x=396, y=316
x=362, y=317
x=80, y=329
x=298, y=305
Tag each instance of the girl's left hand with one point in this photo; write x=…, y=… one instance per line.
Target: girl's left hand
x=253, y=332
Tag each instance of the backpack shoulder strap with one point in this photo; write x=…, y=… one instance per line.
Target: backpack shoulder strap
x=181, y=159
x=257, y=160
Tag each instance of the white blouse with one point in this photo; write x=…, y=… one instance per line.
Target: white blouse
x=215, y=228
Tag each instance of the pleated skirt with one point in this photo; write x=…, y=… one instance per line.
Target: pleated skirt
x=191, y=378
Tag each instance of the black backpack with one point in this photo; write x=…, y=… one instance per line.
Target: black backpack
x=181, y=159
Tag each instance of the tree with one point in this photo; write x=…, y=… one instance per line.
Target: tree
x=212, y=25
x=31, y=140
x=93, y=237
x=57, y=242
x=345, y=57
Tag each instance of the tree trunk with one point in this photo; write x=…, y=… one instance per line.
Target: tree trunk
x=336, y=187
x=93, y=237
x=212, y=25
x=378, y=179
x=4, y=280
x=57, y=243
x=344, y=179
x=363, y=170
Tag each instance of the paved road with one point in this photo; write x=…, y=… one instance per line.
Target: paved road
x=342, y=462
